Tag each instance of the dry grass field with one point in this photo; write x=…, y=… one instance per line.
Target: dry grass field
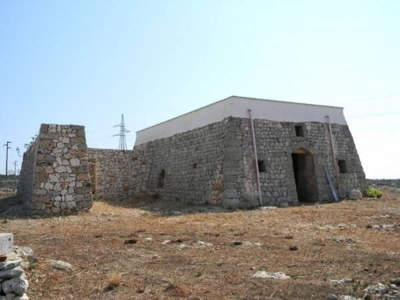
x=149, y=250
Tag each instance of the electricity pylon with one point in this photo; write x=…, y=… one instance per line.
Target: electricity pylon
x=122, y=134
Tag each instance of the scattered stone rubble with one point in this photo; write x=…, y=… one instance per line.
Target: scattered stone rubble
x=377, y=291
x=387, y=227
x=13, y=281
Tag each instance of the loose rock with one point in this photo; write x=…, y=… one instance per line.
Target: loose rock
x=346, y=297
x=7, y=274
x=355, y=195
x=395, y=281
x=276, y=275
x=61, y=265
x=10, y=264
x=200, y=243
x=341, y=281
x=16, y=286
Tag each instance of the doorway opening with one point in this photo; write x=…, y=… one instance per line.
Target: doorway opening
x=304, y=175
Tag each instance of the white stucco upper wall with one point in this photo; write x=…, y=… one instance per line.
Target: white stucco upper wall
x=238, y=107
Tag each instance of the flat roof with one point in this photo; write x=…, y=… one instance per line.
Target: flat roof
x=236, y=106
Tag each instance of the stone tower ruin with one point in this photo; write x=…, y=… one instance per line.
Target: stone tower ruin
x=54, y=177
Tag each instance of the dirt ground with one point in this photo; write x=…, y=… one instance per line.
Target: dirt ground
x=150, y=250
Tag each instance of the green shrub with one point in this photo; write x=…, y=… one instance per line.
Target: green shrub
x=374, y=192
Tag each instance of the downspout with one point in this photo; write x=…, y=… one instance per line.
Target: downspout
x=335, y=165
x=256, y=159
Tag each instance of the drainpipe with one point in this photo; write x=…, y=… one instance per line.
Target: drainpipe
x=335, y=165
x=256, y=159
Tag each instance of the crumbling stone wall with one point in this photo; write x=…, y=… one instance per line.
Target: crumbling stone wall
x=117, y=173
x=54, y=176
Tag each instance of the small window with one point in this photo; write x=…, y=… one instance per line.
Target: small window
x=299, y=130
x=194, y=165
x=161, y=177
x=262, y=166
x=342, y=166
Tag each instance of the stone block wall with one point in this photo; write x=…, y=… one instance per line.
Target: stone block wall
x=207, y=165
x=215, y=162
x=352, y=174
x=25, y=182
x=117, y=173
x=188, y=167
x=55, y=175
x=276, y=142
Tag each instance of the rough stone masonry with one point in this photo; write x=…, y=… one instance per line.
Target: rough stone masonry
x=203, y=157
x=207, y=156
x=55, y=176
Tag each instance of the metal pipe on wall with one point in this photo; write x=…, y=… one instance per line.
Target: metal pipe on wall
x=256, y=159
x=335, y=163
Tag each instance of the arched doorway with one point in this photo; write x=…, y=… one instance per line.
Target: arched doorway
x=304, y=175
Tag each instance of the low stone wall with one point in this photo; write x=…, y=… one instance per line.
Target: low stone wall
x=55, y=175
x=117, y=173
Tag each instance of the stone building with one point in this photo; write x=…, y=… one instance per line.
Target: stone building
x=237, y=152
x=207, y=156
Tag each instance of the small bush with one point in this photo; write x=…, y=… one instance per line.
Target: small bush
x=170, y=284
x=374, y=192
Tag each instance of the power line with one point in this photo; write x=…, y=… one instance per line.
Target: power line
x=122, y=134
x=7, y=148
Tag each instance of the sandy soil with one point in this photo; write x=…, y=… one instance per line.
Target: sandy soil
x=152, y=250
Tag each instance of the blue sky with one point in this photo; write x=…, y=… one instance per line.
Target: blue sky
x=87, y=62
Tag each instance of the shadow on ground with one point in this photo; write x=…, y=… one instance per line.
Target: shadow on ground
x=162, y=207
x=10, y=205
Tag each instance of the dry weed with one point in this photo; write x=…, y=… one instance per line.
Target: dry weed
x=114, y=280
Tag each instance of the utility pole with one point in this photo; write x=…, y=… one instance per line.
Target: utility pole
x=15, y=168
x=122, y=134
x=7, y=147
